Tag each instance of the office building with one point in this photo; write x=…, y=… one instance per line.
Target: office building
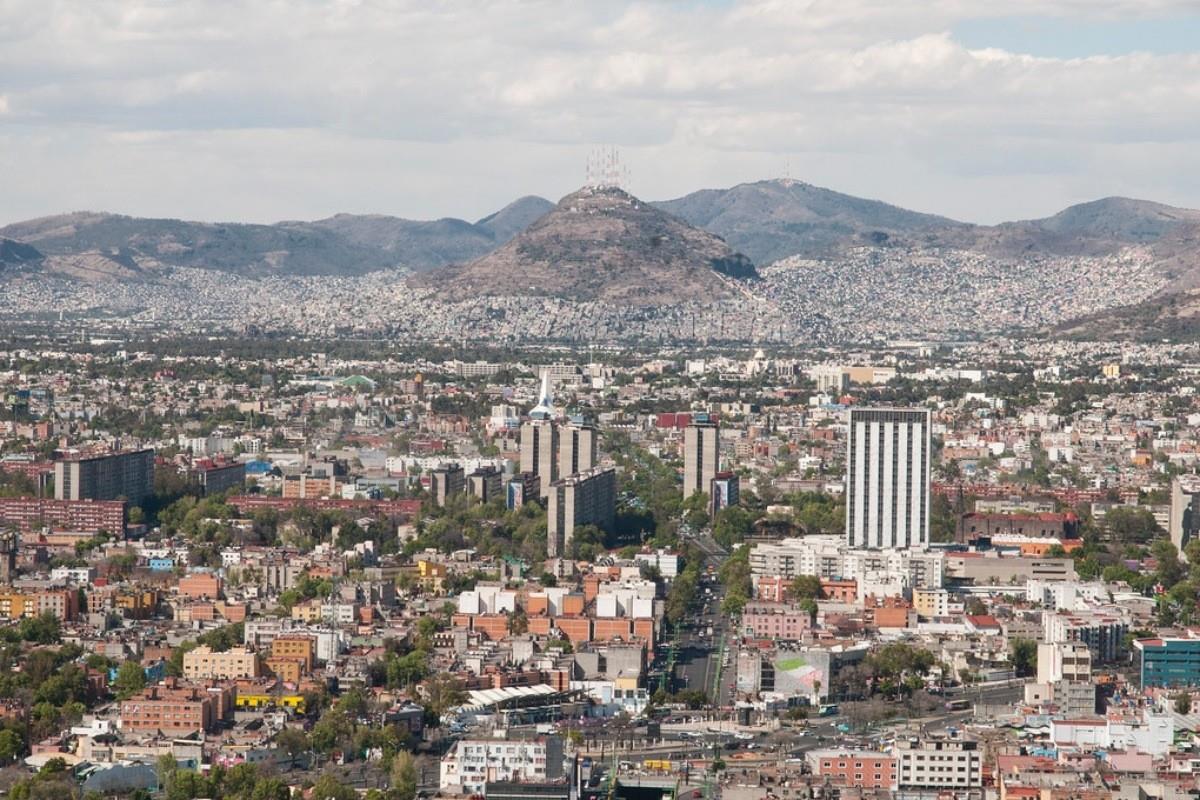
x=701, y=457
x=939, y=764
x=524, y=487
x=115, y=476
x=576, y=449
x=1103, y=631
x=589, y=498
x=724, y=491
x=1169, y=661
x=485, y=483
x=445, y=481
x=887, y=478
x=1184, y=520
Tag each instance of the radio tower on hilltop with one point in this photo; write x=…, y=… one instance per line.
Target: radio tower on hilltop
x=605, y=170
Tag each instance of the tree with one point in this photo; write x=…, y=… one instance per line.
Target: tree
x=11, y=746
x=1024, y=656
x=130, y=680
x=1183, y=703
x=328, y=787
x=404, y=778
x=806, y=587
x=293, y=742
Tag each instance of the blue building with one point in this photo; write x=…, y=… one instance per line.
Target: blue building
x=1169, y=662
x=162, y=564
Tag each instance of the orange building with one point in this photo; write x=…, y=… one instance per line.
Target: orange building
x=303, y=648
x=200, y=586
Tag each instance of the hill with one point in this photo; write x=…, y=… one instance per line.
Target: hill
x=602, y=244
x=773, y=219
x=344, y=244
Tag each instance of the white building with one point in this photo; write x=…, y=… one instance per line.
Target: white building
x=472, y=763
x=887, y=478
x=938, y=764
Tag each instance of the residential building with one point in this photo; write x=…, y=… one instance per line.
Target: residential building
x=203, y=663
x=116, y=476
x=539, y=445
x=485, y=484
x=576, y=449
x=939, y=764
x=472, y=763
x=589, y=498
x=446, y=481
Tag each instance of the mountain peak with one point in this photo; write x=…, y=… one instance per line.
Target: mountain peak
x=603, y=244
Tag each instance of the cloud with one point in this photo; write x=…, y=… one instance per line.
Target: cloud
x=504, y=98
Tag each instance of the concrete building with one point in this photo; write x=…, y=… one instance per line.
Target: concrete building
x=472, y=763
x=1184, y=520
x=861, y=769
x=887, y=478
x=701, y=457
x=203, y=663
x=169, y=708
x=1169, y=661
x=446, y=481
x=724, y=491
x=115, y=476
x=485, y=483
x=589, y=498
x=940, y=765
x=576, y=449
x=1102, y=631
x=539, y=446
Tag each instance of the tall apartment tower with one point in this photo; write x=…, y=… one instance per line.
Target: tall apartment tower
x=887, y=478
x=701, y=454
x=588, y=498
x=445, y=481
x=576, y=449
x=112, y=476
x=539, y=448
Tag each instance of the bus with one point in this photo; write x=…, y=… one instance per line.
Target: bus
x=958, y=705
x=828, y=710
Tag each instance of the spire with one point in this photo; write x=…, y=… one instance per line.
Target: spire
x=544, y=408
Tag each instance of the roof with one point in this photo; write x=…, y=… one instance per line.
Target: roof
x=481, y=698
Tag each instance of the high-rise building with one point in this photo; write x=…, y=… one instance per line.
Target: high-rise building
x=1184, y=521
x=576, y=449
x=539, y=440
x=887, y=478
x=111, y=476
x=588, y=498
x=446, y=480
x=484, y=483
x=539, y=446
x=724, y=492
x=701, y=457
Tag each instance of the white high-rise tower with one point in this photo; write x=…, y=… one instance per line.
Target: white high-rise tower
x=887, y=478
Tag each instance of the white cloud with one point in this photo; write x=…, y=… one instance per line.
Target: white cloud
x=309, y=107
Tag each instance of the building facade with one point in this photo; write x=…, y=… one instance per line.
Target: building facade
x=887, y=478
x=701, y=457
x=115, y=476
x=589, y=498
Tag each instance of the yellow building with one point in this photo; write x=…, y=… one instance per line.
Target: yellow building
x=309, y=611
x=430, y=575
x=301, y=648
x=203, y=663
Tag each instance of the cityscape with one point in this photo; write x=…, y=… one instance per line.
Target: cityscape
x=478, y=401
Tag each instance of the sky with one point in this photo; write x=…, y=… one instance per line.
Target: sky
x=264, y=110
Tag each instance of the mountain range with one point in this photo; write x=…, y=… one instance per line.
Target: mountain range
x=608, y=246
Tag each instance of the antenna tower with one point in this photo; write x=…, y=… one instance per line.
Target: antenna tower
x=605, y=170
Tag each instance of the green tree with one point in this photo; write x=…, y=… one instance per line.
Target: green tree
x=403, y=778
x=1023, y=653
x=806, y=587
x=1183, y=703
x=131, y=679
